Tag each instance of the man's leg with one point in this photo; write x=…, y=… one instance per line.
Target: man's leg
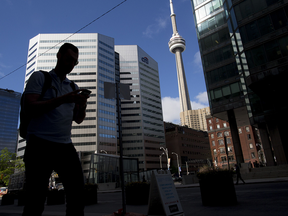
x=242, y=179
x=70, y=172
x=37, y=171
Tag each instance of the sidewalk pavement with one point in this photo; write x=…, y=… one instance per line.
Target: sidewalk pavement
x=107, y=207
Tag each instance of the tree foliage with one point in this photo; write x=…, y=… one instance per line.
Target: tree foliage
x=8, y=165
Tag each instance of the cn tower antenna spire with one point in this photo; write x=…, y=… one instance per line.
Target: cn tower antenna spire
x=177, y=45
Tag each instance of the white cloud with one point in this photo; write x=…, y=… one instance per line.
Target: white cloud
x=197, y=62
x=171, y=107
x=202, y=97
x=197, y=58
x=155, y=28
x=2, y=66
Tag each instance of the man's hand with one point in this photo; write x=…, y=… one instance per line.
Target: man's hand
x=80, y=107
x=75, y=97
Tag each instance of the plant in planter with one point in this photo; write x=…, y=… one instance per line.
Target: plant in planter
x=55, y=197
x=216, y=182
x=90, y=194
x=137, y=193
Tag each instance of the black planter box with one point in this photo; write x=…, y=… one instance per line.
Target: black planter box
x=21, y=197
x=8, y=199
x=55, y=197
x=137, y=193
x=90, y=194
x=218, y=190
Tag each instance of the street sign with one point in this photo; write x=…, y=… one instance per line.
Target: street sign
x=163, y=197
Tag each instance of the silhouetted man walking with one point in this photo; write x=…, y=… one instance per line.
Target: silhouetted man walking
x=237, y=168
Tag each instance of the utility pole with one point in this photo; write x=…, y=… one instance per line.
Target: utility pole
x=109, y=93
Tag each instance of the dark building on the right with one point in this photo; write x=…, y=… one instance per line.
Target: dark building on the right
x=244, y=52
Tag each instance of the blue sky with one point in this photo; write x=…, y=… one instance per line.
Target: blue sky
x=143, y=23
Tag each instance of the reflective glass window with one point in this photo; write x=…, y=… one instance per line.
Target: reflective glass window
x=273, y=50
x=286, y=10
x=231, y=70
x=279, y=19
x=235, y=88
x=218, y=93
x=214, y=39
x=201, y=12
x=246, y=9
x=216, y=4
x=206, y=42
x=258, y=5
x=238, y=12
x=265, y=25
x=252, y=31
x=258, y=55
x=209, y=8
x=283, y=42
x=223, y=35
x=243, y=34
x=211, y=23
x=270, y=2
x=227, y=52
x=218, y=55
x=226, y=91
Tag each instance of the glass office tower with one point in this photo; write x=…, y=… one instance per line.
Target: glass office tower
x=243, y=45
x=142, y=118
x=9, y=112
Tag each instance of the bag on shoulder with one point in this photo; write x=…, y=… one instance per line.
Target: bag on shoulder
x=24, y=119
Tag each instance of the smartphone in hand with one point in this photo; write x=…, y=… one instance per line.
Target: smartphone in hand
x=85, y=92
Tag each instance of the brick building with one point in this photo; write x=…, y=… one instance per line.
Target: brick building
x=192, y=146
x=249, y=138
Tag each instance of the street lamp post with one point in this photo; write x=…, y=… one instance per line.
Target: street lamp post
x=166, y=152
x=103, y=151
x=177, y=163
x=160, y=157
x=187, y=168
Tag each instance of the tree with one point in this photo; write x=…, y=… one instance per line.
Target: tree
x=8, y=165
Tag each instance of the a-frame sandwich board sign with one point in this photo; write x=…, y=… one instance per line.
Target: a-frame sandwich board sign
x=163, y=197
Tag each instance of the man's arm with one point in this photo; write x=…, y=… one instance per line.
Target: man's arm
x=79, y=113
x=35, y=108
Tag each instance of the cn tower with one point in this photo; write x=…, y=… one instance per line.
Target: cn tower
x=177, y=46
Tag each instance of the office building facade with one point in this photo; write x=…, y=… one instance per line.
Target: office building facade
x=142, y=117
x=195, y=119
x=243, y=45
x=9, y=112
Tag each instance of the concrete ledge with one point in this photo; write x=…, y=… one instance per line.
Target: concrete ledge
x=106, y=186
